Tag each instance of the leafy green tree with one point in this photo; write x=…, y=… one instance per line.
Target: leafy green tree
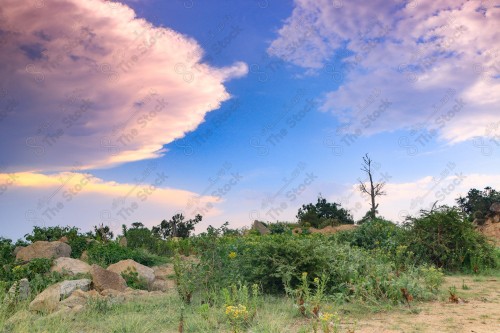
x=176, y=226
x=447, y=239
x=140, y=237
x=323, y=213
x=476, y=204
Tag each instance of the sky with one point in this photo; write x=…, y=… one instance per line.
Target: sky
x=118, y=112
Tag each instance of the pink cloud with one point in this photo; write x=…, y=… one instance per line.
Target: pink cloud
x=98, y=86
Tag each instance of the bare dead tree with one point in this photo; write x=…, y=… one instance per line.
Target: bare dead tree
x=375, y=189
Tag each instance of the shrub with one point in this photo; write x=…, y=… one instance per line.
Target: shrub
x=376, y=233
x=105, y=254
x=133, y=279
x=445, y=238
x=273, y=260
x=77, y=241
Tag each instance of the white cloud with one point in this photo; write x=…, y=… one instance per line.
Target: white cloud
x=409, y=198
x=96, y=85
x=80, y=199
x=412, y=53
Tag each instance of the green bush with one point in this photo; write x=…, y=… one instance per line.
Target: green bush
x=272, y=260
x=445, y=238
x=133, y=279
x=376, y=233
x=77, y=241
x=105, y=254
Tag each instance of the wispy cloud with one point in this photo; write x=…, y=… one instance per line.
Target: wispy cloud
x=414, y=53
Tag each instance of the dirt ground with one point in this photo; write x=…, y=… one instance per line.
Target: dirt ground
x=479, y=312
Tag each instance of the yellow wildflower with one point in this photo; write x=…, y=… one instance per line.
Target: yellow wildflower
x=232, y=255
x=326, y=316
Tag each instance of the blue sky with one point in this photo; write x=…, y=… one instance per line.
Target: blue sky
x=242, y=110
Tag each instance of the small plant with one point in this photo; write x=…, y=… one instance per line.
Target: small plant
x=453, y=295
x=133, y=279
x=237, y=316
x=330, y=322
x=308, y=299
x=186, y=278
x=240, y=305
x=99, y=305
x=464, y=286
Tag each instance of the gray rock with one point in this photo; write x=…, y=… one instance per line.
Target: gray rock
x=495, y=208
x=260, y=227
x=23, y=291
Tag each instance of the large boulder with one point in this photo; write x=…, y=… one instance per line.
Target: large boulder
x=43, y=249
x=70, y=266
x=103, y=279
x=48, y=300
x=260, y=227
x=143, y=271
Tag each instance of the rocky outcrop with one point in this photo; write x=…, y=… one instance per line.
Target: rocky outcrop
x=43, y=249
x=103, y=279
x=70, y=266
x=143, y=271
x=48, y=300
x=260, y=227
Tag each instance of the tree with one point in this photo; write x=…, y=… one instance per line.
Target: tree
x=137, y=225
x=103, y=233
x=323, y=213
x=477, y=203
x=375, y=189
x=176, y=226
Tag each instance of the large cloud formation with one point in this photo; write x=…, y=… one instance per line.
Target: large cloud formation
x=437, y=62
x=87, y=82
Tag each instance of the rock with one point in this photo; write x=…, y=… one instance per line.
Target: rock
x=123, y=241
x=84, y=256
x=495, y=208
x=70, y=266
x=69, y=286
x=260, y=227
x=17, y=249
x=74, y=300
x=48, y=300
x=103, y=279
x=23, y=291
x=64, y=239
x=164, y=272
x=114, y=296
x=43, y=249
x=162, y=285
x=18, y=317
x=143, y=271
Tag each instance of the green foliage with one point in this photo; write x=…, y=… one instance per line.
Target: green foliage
x=133, y=279
x=445, y=238
x=375, y=233
x=176, y=226
x=323, y=214
x=276, y=261
x=76, y=240
x=476, y=203
x=105, y=254
x=103, y=233
x=187, y=275
x=6, y=252
x=140, y=237
x=280, y=228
